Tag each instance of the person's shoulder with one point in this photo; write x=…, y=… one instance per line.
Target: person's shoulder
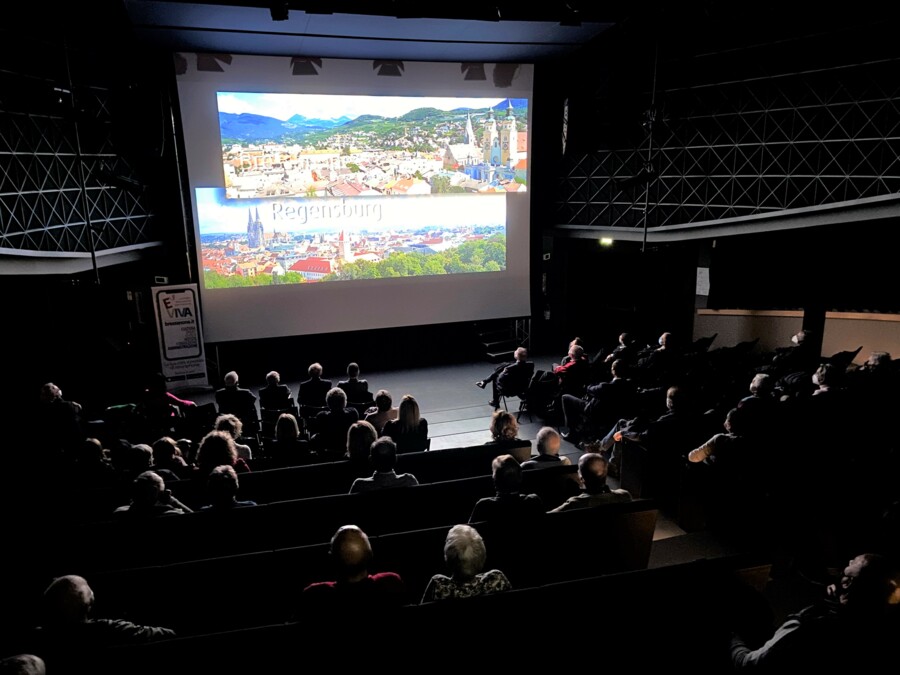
x=622, y=495
x=493, y=581
x=320, y=588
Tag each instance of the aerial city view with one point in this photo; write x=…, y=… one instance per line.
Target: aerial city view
x=360, y=196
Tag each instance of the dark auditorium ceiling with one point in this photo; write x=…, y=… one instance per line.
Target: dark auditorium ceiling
x=392, y=29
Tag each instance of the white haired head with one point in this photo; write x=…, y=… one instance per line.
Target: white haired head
x=464, y=552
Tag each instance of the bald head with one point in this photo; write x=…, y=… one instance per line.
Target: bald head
x=352, y=552
x=23, y=664
x=870, y=583
x=592, y=467
x=67, y=601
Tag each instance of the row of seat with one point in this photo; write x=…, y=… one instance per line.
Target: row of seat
x=121, y=543
x=325, y=478
x=264, y=587
x=640, y=621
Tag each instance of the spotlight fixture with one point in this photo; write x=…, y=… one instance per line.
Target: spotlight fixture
x=279, y=11
x=388, y=68
x=210, y=62
x=473, y=71
x=504, y=73
x=606, y=241
x=306, y=65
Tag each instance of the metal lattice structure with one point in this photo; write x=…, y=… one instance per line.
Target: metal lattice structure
x=731, y=149
x=41, y=206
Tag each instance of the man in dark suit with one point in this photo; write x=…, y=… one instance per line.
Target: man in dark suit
x=510, y=379
x=312, y=391
x=234, y=400
x=357, y=390
x=274, y=396
x=602, y=405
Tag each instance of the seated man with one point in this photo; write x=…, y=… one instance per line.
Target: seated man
x=384, y=410
x=331, y=425
x=569, y=377
x=508, y=505
x=626, y=350
x=383, y=457
x=510, y=379
x=854, y=630
x=357, y=390
x=274, y=396
x=592, y=468
x=548, y=442
x=68, y=631
x=235, y=400
x=150, y=498
x=222, y=488
x=312, y=391
x=354, y=587
x=600, y=407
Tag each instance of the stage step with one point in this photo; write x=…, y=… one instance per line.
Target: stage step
x=499, y=357
x=500, y=345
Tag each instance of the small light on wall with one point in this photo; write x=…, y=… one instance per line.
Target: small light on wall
x=606, y=241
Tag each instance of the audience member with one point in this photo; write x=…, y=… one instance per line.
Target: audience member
x=504, y=427
x=626, y=350
x=465, y=556
x=854, y=630
x=313, y=391
x=360, y=437
x=332, y=424
x=548, y=441
x=222, y=488
x=274, y=396
x=409, y=431
x=357, y=390
x=23, y=664
x=508, y=506
x=290, y=445
x=217, y=449
x=600, y=407
x=592, y=468
x=158, y=406
x=92, y=467
x=58, y=422
x=69, y=634
x=354, y=587
x=232, y=425
x=235, y=400
x=167, y=456
x=383, y=458
x=383, y=412
x=150, y=498
x=509, y=379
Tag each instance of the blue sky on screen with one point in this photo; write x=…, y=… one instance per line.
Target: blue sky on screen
x=333, y=106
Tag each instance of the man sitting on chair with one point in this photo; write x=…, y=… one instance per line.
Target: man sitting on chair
x=357, y=390
x=274, y=396
x=510, y=379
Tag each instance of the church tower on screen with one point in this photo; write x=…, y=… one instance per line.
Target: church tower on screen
x=490, y=143
x=255, y=237
x=509, y=138
x=344, y=241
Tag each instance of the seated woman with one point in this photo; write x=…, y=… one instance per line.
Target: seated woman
x=217, y=449
x=290, y=446
x=409, y=431
x=383, y=411
x=504, y=427
x=360, y=437
x=166, y=455
x=232, y=425
x=465, y=554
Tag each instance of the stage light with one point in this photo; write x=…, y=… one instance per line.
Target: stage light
x=388, y=68
x=306, y=65
x=504, y=73
x=209, y=63
x=606, y=241
x=473, y=71
x=279, y=11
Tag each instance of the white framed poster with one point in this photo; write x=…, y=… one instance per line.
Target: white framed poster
x=178, y=326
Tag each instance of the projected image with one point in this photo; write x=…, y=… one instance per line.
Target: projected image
x=321, y=146
x=290, y=240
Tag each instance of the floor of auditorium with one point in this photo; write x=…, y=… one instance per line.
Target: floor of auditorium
x=458, y=414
